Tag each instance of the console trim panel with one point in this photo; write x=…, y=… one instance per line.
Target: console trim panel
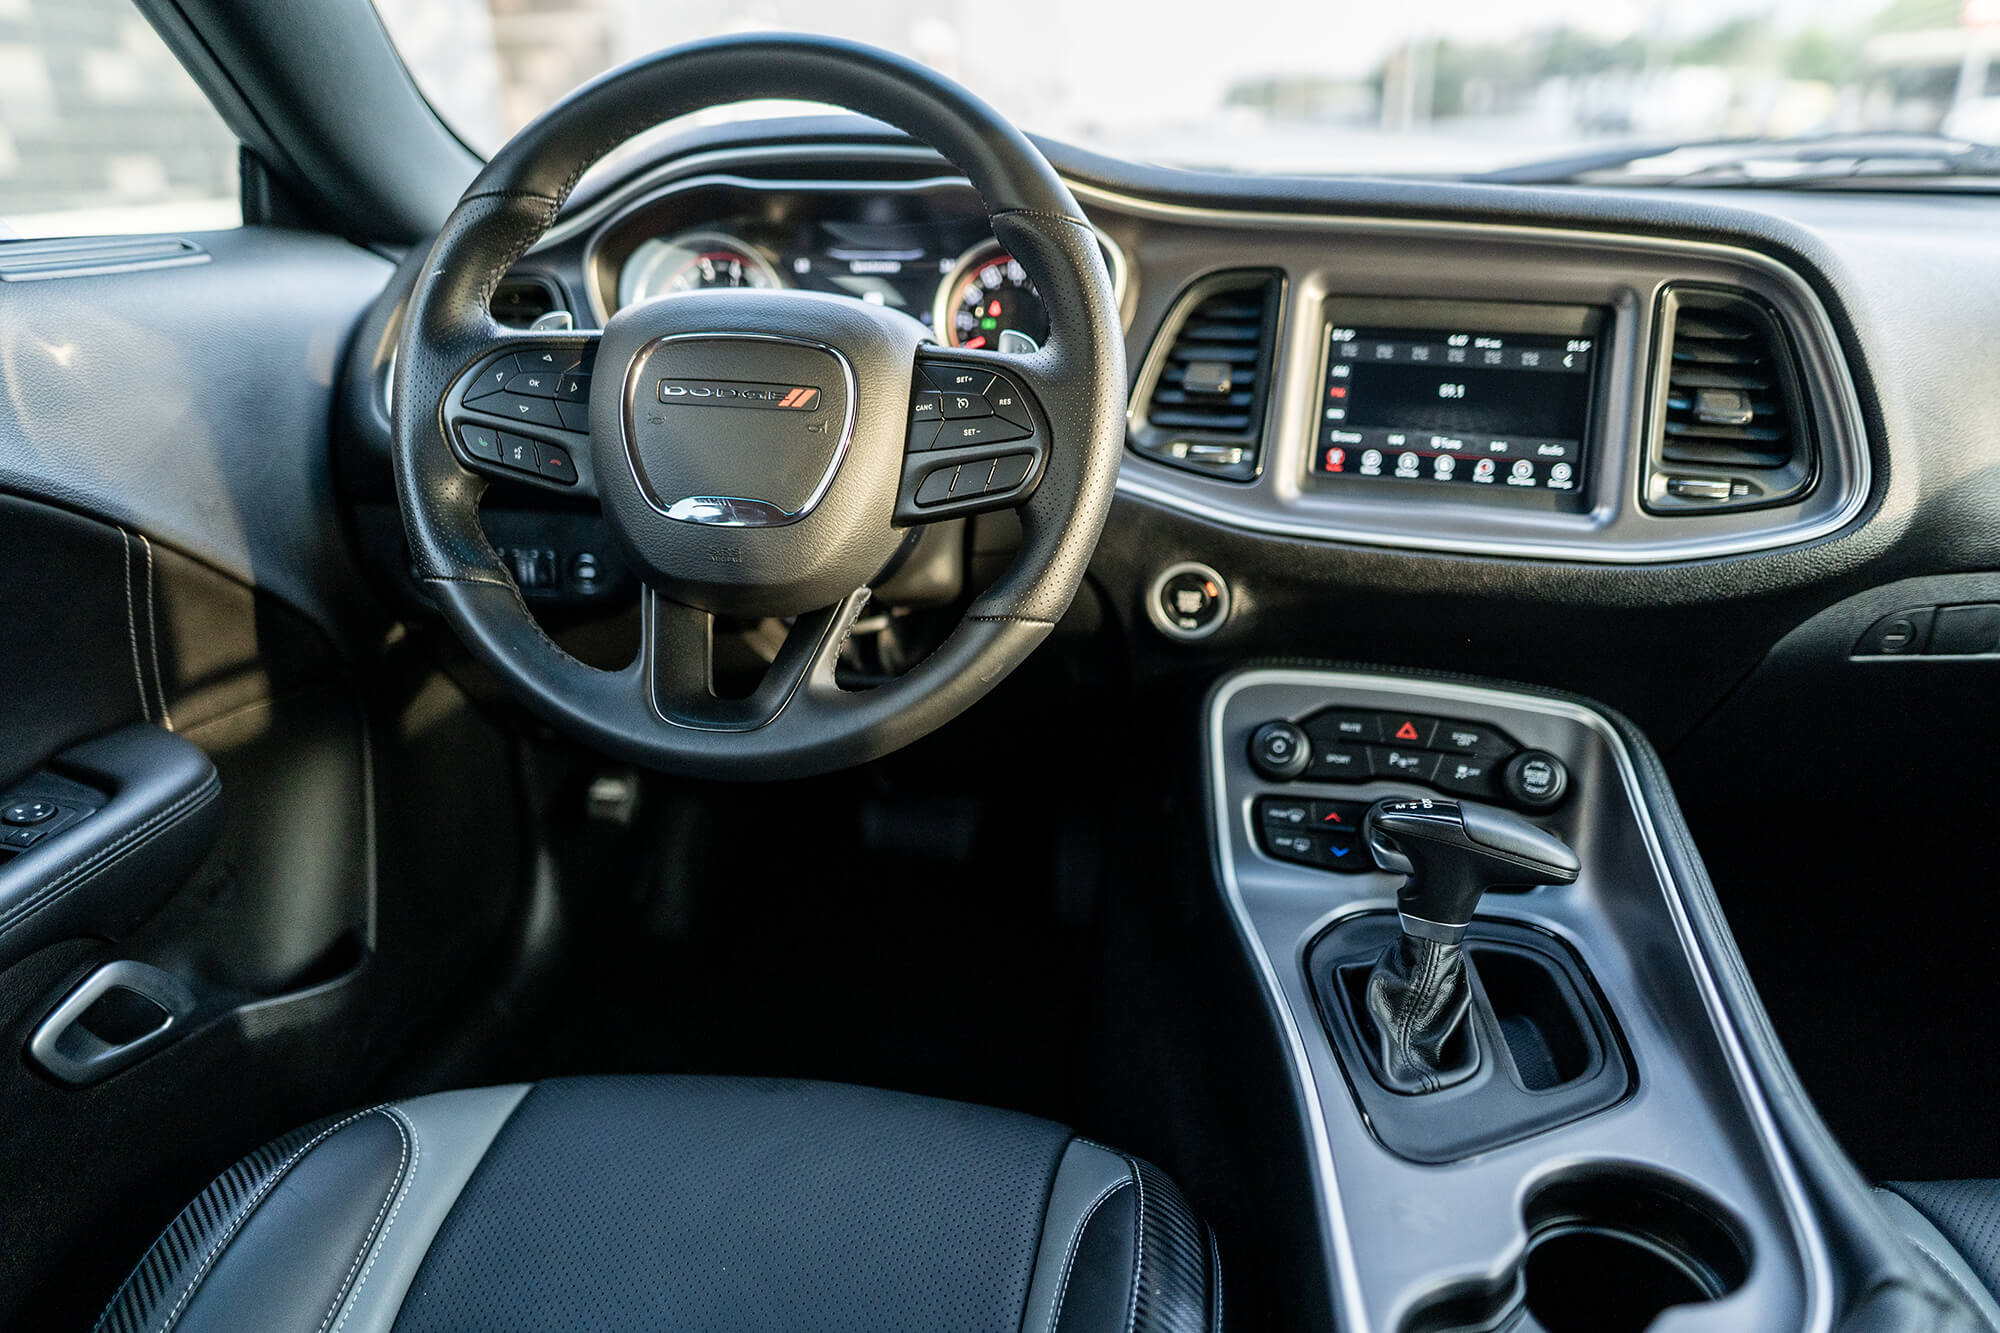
x=1297, y=905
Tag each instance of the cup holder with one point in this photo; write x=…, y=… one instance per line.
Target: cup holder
x=1609, y=1251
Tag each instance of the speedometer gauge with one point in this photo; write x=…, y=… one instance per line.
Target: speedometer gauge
x=988, y=302
x=690, y=262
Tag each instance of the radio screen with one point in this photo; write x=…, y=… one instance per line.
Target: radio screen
x=1459, y=407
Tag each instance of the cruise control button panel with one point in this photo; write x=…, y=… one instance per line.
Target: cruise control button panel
x=524, y=413
x=975, y=442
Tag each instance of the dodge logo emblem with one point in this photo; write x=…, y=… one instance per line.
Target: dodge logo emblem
x=739, y=393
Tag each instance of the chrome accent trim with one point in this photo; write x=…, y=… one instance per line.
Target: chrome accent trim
x=1426, y=929
x=752, y=513
x=1817, y=1265
x=1158, y=613
x=1168, y=333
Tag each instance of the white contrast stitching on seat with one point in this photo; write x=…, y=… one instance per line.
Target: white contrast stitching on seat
x=394, y=1194
x=250, y=1206
x=1138, y=1246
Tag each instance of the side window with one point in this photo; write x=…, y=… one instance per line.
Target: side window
x=101, y=130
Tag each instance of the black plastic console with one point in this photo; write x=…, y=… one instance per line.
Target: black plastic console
x=1547, y=1052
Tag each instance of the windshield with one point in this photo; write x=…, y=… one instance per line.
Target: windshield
x=1450, y=87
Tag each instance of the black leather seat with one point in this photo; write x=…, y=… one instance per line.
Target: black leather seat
x=633, y=1203
x=1955, y=1225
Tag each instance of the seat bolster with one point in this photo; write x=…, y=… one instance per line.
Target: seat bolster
x=1940, y=1253
x=321, y=1229
x=1121, y=1252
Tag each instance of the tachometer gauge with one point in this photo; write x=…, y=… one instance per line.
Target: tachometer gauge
x=988, y=302
x=690, y=262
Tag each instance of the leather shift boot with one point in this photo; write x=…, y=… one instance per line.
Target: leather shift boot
x=1417, y=998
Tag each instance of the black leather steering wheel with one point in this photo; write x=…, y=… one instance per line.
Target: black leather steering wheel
x=757, y=452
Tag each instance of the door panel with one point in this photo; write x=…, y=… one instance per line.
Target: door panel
x=172, y=557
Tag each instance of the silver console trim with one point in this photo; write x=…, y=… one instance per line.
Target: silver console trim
x=1818, y=1264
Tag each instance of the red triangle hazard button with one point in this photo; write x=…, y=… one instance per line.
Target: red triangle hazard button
x=1407, y=732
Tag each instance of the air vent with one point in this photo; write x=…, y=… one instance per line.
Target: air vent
x=519, y=301
x=1731, y=428
x=1203, y=392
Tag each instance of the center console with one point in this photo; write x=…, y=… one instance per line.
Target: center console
x=1587, y=1146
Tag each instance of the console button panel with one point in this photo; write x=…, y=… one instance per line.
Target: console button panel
x=1459, y=756
x=1326, y=834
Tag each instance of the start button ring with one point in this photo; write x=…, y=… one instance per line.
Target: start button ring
x=1188, y=601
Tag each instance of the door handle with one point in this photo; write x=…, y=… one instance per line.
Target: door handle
x=118, y=1014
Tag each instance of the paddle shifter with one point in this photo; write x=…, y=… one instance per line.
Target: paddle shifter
x=1452, y=851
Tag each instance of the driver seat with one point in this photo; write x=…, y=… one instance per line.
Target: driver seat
x=669, y=1202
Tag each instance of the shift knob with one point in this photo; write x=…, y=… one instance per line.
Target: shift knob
x=1453, y=852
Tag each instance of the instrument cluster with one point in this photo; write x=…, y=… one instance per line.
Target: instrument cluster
x=919, y=246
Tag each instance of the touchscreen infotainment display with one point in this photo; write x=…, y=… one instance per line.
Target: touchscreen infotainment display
x=1477, y=405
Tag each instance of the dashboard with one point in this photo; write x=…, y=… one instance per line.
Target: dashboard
x=1469, y=387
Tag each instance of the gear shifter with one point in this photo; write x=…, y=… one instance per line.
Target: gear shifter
x=1452, y=852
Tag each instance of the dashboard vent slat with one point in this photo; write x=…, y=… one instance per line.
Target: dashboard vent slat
x=1203, y=396
x=1728, y=405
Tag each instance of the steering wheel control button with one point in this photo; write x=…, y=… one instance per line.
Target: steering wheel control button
x=958, y=406
x=25, y=813
x=985, y=430
x=534, y=384
x=1009, y=471
x=557, y=465
x=1008, y=405
x=1188, y=601
x=1536, y=779
x=548, y=360
x=493, y=379
x=520, y=453
x=1279, y=751
x=927, y=406
x=937, y=487
x=924, y=434
x=573, y=388
x=482, y=442
x=958, y=379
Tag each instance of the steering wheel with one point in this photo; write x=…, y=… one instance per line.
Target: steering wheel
x=757, y=452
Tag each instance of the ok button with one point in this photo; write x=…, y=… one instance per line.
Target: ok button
x=958, y=406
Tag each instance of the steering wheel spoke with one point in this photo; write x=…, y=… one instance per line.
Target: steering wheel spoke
x=521, y=410
x=977, y=439
x=678, y=664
